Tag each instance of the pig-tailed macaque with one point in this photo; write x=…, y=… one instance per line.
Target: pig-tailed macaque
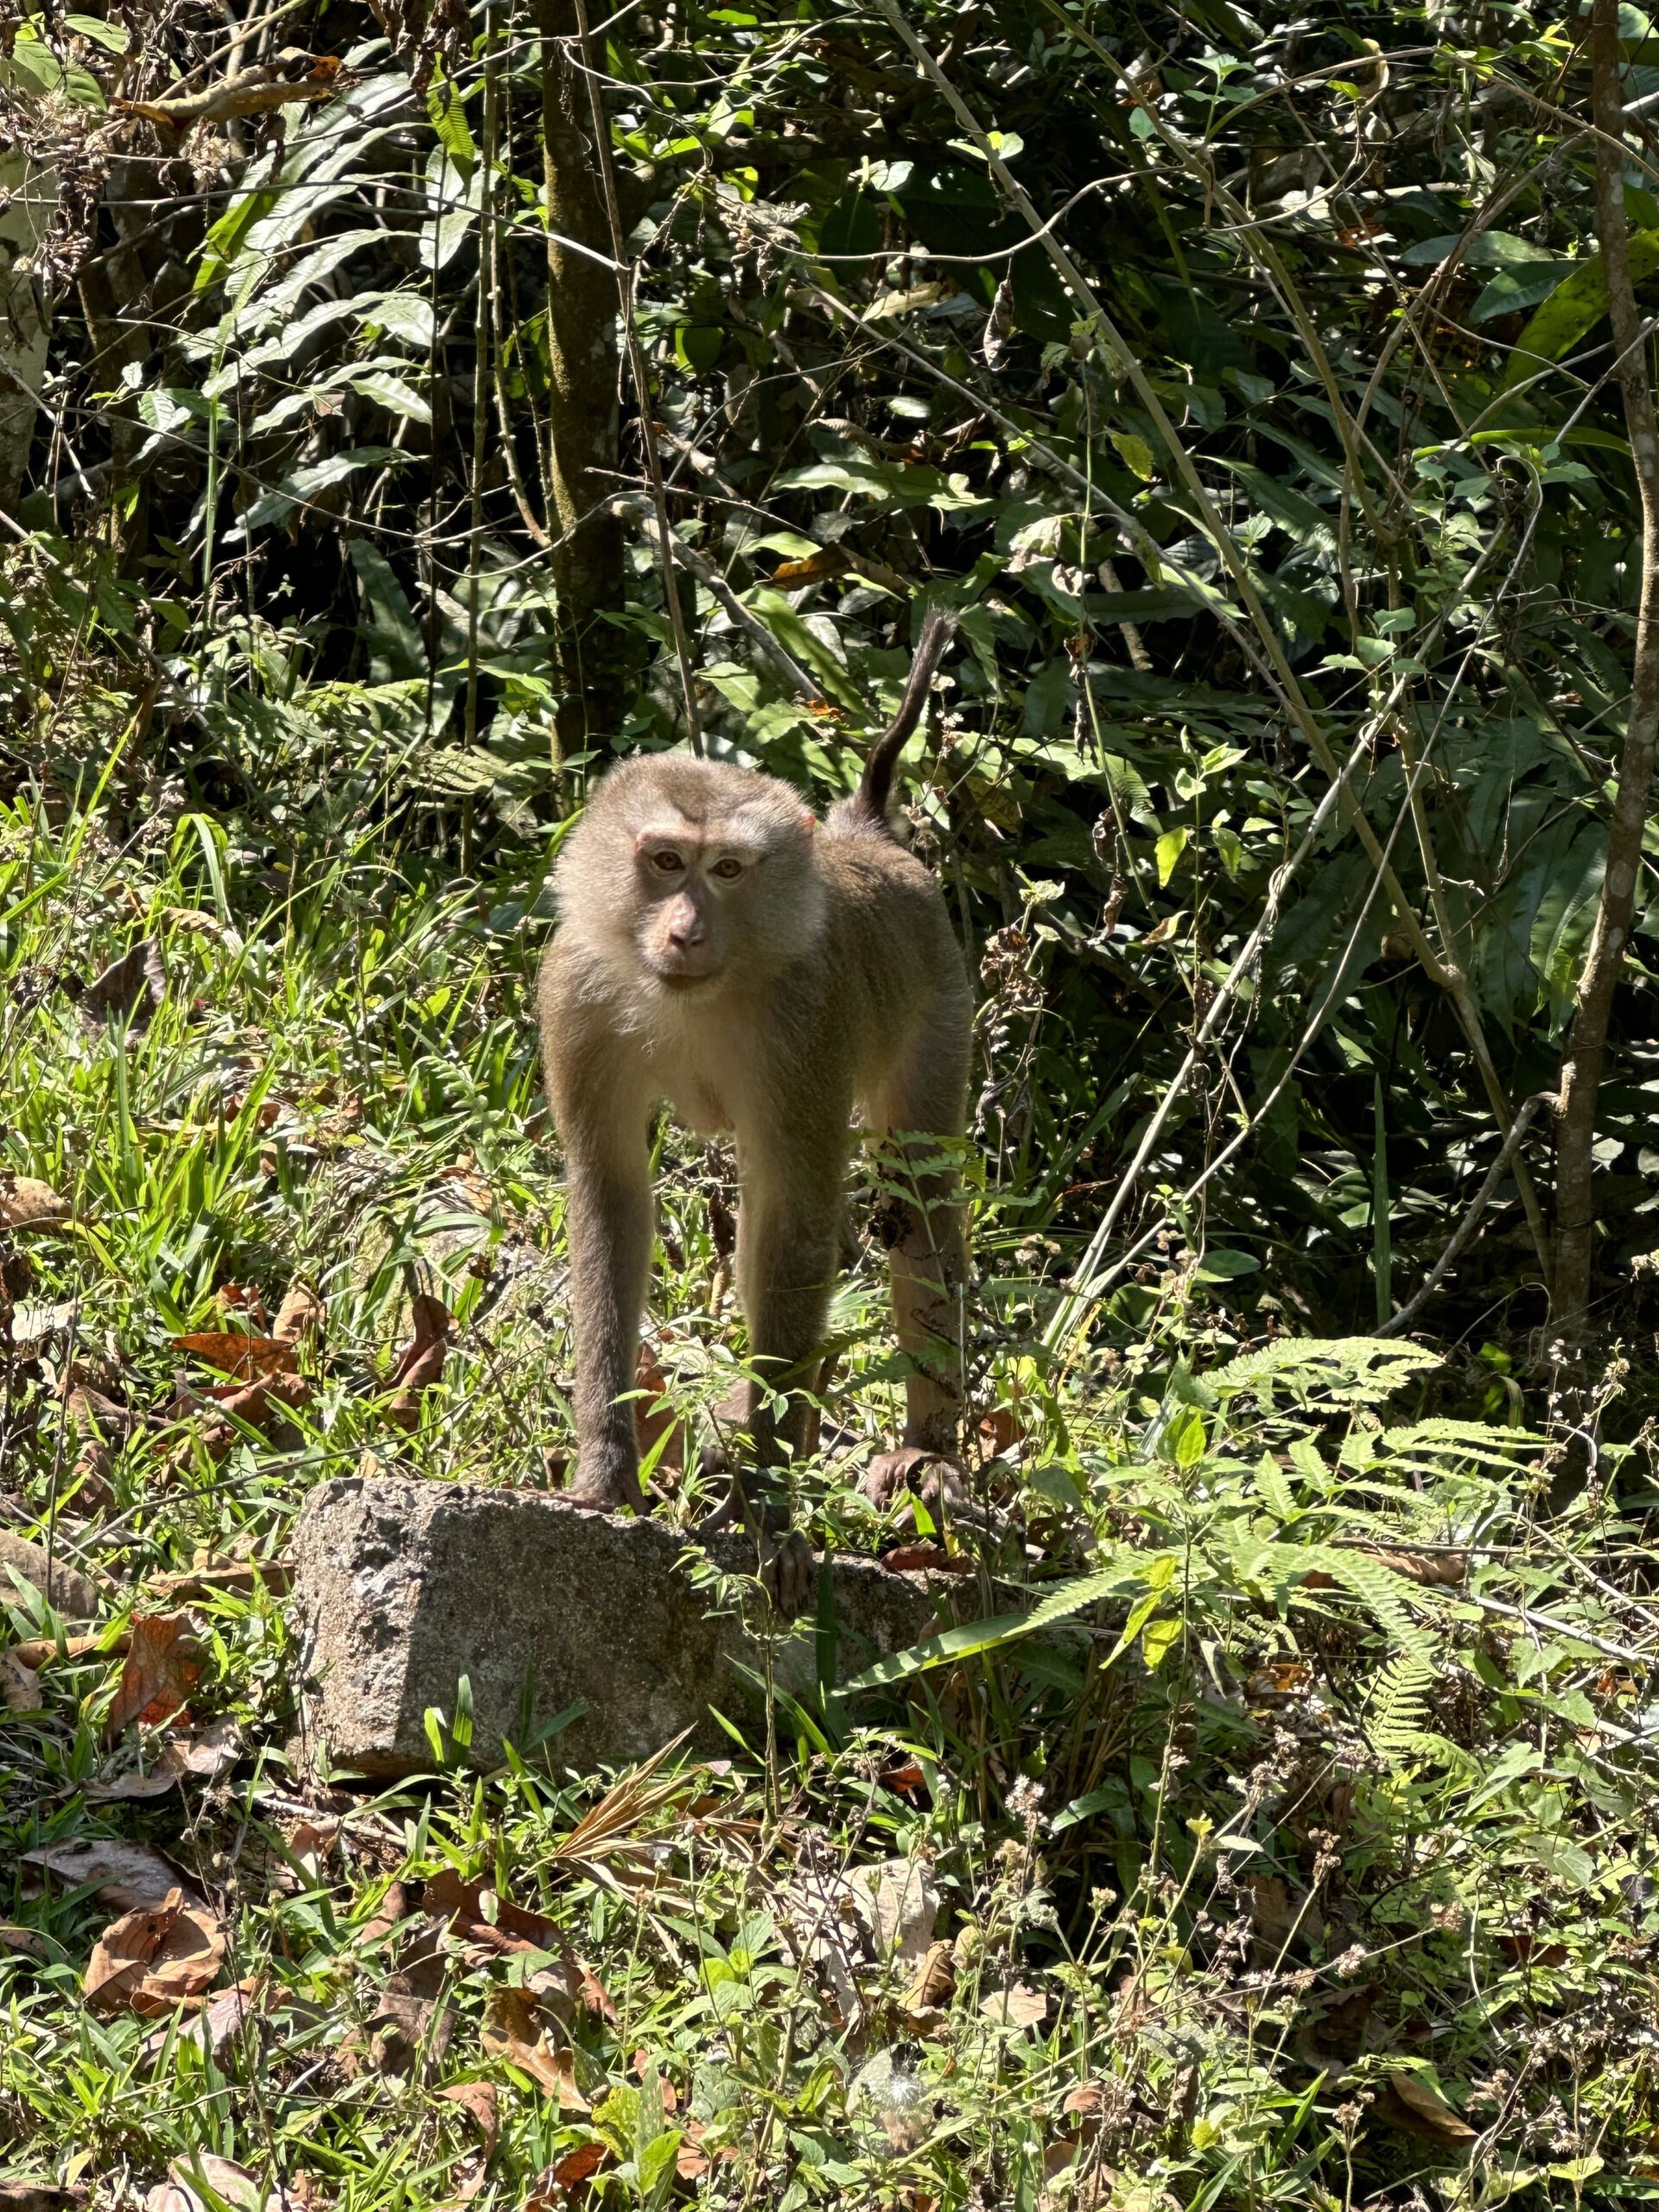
x=765, y=973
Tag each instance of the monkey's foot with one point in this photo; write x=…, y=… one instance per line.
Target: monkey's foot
x=606, y=1493
x=928, y=1476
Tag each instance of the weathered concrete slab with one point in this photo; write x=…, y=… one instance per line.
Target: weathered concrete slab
x=402, y=1586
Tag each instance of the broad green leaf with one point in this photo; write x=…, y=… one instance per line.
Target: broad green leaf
x=1170, y=847
x=1574, y=307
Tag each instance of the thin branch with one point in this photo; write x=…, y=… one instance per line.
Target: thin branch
x=1465, y=1229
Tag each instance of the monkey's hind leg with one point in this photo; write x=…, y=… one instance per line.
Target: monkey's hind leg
x=927, y=1263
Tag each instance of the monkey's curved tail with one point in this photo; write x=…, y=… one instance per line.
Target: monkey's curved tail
x=869, y=802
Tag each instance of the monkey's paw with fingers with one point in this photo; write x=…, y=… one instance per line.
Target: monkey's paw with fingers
x=789, y=1570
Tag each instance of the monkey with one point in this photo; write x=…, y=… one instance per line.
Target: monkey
x=764, y=972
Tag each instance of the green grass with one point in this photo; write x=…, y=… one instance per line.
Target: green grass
x=1262, y=1841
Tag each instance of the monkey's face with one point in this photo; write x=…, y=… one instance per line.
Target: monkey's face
x=694, y=898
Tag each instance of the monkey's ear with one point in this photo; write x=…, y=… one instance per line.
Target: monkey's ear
x=810, y=820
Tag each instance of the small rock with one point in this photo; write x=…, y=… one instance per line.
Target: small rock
x=58, y=1583
x=402, y=1586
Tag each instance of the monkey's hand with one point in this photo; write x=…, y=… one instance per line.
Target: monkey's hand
x=789, y=1570
x=604, y=1487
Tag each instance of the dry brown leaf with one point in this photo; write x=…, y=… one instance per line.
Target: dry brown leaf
x=42, y=1650
x=301, y=1317
x=120, y=992
x=246, y=1299
x=815, y=567
x=23, y=1942
x=1016, y=2006
x=1279, y=1918
x=225, y=2016
x=478, y=2100
x=555, y=2189
x=161, y=1668
x=40, y=2196
x=512, y=2030
x=898, y=1902
x=421, y=1361
x=998, y=1429
x=153, y=1959
x=26, y=1204
x=652, y=1420
x=124, y=1875
x=234, y=2186
x=1408, y=2102
x=475, y=1910
x=203, y=1756
x=934, y=1982
x=248, y=1359
x=20, y=1685
x=391, y=1911
x=926, y=1559
x=235, y=1578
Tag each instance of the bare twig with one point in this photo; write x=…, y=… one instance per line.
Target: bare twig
x=709, y=576
x=1465, y=1229
x=294, y=76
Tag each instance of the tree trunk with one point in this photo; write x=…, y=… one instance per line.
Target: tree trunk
x=582, y=308
x=1587, y=1045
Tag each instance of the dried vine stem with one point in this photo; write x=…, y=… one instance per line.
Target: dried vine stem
x=1616, y=909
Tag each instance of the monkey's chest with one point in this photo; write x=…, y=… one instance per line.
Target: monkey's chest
x=699, y=1076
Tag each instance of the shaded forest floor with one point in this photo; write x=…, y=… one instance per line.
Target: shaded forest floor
x=1304, y=1860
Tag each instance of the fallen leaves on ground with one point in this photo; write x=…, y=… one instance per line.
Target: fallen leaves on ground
x=1406, y=2101
x=226, y=2015
x=203, y=1756
x=245, y=1358
x=124, y=1875
x=933, y=1984
x=300, y=1317
x=130, y=987
x=479, y=2100
x=162, y=1669
x=20, y=1685
x=421, y=1361
x=39, y=2196
x=1016, y=2006
x=154, y=1958
x=479, y=1916
x=188, y=2184
x=27, y=1203
x=513, y=2029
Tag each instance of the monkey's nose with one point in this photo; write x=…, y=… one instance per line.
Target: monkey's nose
x=685, y=931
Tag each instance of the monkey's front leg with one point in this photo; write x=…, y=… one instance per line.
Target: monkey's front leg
x=787, y=1236
x=608, y=1219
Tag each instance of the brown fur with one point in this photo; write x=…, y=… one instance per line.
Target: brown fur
x=821, y=977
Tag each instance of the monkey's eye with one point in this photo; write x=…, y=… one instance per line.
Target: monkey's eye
x=668, y=860
x=728, y=869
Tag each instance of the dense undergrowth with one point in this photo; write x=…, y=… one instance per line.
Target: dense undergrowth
x=1285, y=1834
x=1302, y=1858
